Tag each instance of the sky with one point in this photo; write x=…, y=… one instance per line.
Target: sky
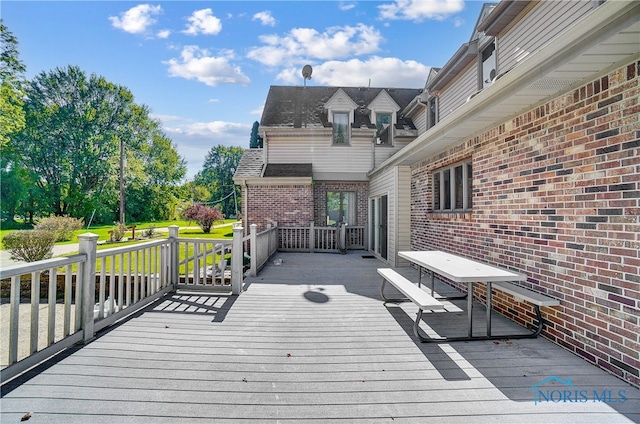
x=204, y=68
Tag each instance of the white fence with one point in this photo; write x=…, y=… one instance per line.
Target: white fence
x=73, y=297
x=319, y=239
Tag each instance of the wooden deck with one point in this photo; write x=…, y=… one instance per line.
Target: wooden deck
x=309, y=341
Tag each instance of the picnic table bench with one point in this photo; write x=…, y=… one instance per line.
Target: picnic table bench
x=463, y=270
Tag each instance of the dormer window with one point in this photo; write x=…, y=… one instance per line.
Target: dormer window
x=384, y=128
x=341, y=128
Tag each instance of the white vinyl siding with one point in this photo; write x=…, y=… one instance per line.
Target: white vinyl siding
x=420, y=120
x=543, y=23
x=319, y=150
x=456, y=94
x=396, y=184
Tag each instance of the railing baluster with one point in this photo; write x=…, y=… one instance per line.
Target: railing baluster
x=103, y=288
x=136, y=277
x=112, y=285
x=121, y=283
x=68, y=285
x=143, y=272
x=14, y=318
x=53, y=285
x=129, y=281
x=35, y=311
x=78, y=299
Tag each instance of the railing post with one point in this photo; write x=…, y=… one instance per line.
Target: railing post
x=88, y=245
x=253, y=243
x=237, y=261
x=174, y=256
x=312, y=237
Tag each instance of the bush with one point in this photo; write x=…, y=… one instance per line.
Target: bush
x=149, y=232
x=117, y=232
x=30, y=245
x=62, y=226
x=204, y=215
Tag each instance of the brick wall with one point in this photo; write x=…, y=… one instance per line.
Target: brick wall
x=556, y=195
x=320, y=194
x=289, y=205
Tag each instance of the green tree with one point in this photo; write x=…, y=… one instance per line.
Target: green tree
x=255, y=141
x=155, y=171
x=76, y=125
x=216, y=175
x=12, y=117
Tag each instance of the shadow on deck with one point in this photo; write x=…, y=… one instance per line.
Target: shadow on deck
x=311, y=341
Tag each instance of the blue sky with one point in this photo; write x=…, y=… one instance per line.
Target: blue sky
x=204, y=67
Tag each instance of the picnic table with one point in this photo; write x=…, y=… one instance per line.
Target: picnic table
x=463, y=270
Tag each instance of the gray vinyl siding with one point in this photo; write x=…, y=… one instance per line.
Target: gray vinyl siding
x=396, y=184
x=403, y=225
x=456, y=93
x=325, y=157
x=543, y=23
x=420, y=120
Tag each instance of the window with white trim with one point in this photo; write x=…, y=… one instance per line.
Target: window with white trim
x=384, y=132
x=452, y=188
x=341, y=132
x=489, y=65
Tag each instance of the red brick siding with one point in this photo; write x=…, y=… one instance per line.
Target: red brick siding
x=320, y=194
x=556, y=195
x=289, y=205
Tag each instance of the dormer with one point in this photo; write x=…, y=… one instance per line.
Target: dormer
x=340, y=113
x=383, y=112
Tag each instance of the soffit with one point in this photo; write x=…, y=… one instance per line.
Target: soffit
x=607, y=36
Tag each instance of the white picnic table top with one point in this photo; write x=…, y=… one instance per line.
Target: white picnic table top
x=459, y=269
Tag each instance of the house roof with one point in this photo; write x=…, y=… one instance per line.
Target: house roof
x=288, y=170
x=303, y=107
x=251, y=164
x=601, y=39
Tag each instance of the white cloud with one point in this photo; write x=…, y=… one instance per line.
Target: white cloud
x=165, y=33
x=375, y=71
x=302, y=44
x=196, y=63
x=258, y=110
x=346, y=6
x=419, y=10
x=193, y=140
x=136, y=20
x=458, y=22
x=203, y=22
x=265, y=18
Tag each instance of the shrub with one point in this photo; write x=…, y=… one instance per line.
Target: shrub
x=62, y=226
x=117, y=232
x=30, y=245
x=149, y=232
x=204, y=215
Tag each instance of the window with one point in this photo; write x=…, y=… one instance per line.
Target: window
x=433, y=112
x=452, y=188
x=340, y=128
x=384, y=128
x=341, y=207
x=488, y=65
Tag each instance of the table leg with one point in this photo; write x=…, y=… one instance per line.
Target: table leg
x=431, y=279
x=470, y=308
x=489, y=308
x=420, y=277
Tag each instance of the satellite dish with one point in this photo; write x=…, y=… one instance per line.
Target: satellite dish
x=306, y=73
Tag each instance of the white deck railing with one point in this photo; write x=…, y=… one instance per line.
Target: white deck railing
x=73, y=297
x=263, y=245
x=319, y=239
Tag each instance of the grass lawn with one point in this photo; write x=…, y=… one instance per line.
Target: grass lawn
x=187, y=229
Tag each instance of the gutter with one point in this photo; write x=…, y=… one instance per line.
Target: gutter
x=604, y=22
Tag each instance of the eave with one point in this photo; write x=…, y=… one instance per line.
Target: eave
x=601, y=40
x=460, y=60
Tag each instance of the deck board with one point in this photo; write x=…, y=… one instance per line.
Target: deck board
x=307, y=342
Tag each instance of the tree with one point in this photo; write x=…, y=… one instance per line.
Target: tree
x=204, y=215
x=12, y=117
x=255, y=141
x=76, y=125
x=216, y=175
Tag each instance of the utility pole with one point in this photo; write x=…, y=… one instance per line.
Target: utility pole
x=122, y=182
